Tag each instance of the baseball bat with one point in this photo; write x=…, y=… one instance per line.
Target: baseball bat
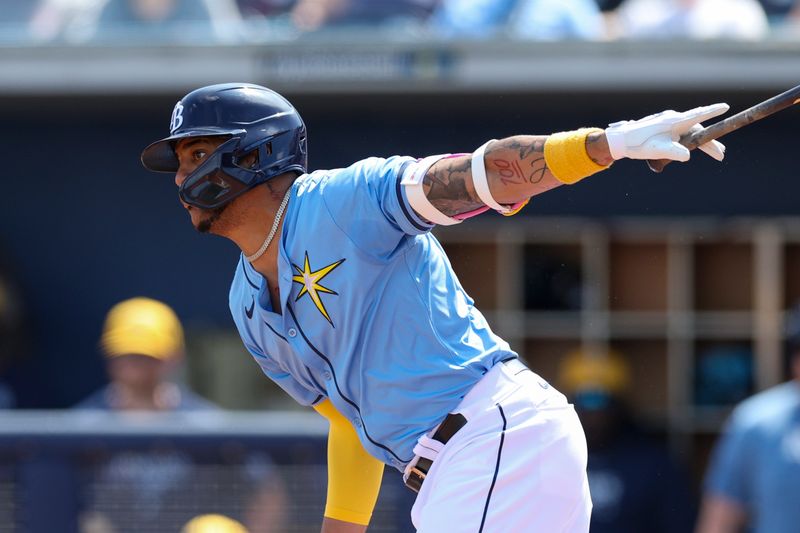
x=733, y=123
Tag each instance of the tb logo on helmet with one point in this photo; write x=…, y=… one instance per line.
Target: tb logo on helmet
x=177, y=118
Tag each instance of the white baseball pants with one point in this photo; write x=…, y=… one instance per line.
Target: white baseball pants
x=518, y=465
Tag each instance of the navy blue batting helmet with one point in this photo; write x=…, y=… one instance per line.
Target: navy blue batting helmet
x=254, y=119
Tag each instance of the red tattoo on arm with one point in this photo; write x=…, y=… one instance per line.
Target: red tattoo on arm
x=509, y=171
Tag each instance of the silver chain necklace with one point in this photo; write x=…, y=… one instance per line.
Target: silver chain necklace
x=275, y=224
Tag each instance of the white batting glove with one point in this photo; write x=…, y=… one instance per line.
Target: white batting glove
x=656, y=136
x=713, y=148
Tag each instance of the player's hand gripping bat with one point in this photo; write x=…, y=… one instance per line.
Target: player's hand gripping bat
x=733, y=123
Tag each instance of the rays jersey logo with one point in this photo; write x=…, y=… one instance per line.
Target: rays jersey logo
x=177, y=118
x=310, y=281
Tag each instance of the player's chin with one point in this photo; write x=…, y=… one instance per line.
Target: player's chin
x=204, y=224
x=206, y=220
x=199, y=218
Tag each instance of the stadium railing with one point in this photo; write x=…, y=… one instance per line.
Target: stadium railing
x=95, y=471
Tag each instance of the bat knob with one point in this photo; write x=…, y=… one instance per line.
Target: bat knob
x=657, y=165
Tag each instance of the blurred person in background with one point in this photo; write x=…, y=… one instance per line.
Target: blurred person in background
x=14, y=18
x=15, y=338
x=195, y=21
x=636, y=485
x=753, y=479
x=608, y=5
x=137, y=21
x=263, y=8
x=160, y=489
x=553, y=20
x=65, y=20
x=690, y=19
x=523, y=19
x=143, y=344
x=778, y=10
x=784, y=17
x=312, y=15
x=14, y=333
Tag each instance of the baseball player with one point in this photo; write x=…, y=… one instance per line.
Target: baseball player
x=347, y=301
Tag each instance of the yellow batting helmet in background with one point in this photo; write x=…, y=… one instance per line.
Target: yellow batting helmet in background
x=213, y=523
x=142, y=326
x=606, y=371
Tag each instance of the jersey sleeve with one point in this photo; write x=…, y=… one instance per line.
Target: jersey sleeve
x=368, y=202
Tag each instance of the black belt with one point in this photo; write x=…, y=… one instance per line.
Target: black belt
x=451, y=424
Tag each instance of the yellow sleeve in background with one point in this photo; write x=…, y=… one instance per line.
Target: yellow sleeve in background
x=354, y=476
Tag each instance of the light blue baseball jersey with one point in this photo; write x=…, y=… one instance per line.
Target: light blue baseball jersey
x=757, y=460
x=373, y=316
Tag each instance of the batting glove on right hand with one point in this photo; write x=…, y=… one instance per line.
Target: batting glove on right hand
x=656, y=136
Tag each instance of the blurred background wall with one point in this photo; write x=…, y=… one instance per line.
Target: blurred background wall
x=84, y=225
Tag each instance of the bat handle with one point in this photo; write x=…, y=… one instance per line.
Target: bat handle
x=690, y=141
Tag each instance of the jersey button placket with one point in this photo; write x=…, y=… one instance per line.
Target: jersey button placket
x=292, y=333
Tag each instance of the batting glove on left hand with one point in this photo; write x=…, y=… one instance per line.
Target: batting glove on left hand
x=656, y=136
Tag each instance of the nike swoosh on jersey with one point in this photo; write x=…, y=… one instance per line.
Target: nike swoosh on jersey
x=249, y=312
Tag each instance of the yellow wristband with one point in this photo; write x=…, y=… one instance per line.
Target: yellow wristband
x=566, y=157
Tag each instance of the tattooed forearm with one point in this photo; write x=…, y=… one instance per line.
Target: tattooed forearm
x=528, y=167
x=512, y=172
x=531, y=146
x=448, y=186
x=530, y=152
x=515, y=170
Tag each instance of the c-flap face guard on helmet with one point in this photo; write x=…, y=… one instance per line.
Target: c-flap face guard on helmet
x=220, y=178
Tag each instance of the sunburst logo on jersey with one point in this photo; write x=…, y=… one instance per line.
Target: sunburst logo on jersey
x=312, y=286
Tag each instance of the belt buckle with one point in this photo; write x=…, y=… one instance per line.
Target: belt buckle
x=415, y=478
x=417, y=473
